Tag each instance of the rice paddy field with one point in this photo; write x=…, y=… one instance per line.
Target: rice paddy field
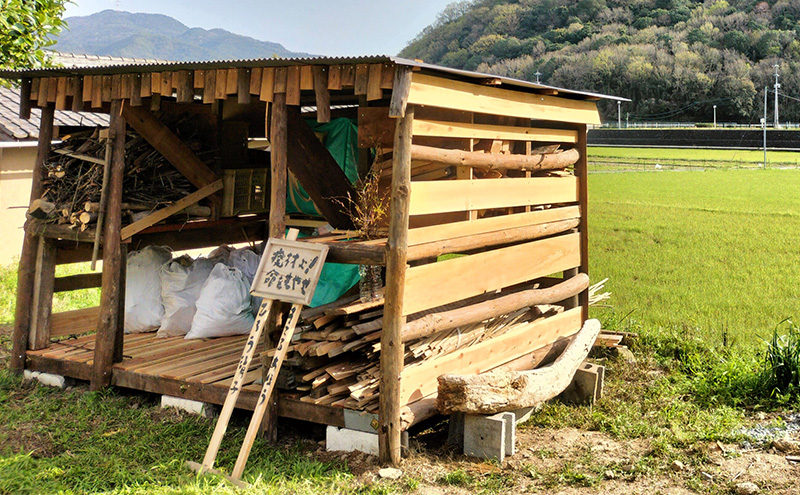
x=712, y=253
x=620, y=158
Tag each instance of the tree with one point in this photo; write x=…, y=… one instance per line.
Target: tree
x=26, y=28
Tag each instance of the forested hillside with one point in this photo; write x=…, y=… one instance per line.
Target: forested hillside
x=674, y=58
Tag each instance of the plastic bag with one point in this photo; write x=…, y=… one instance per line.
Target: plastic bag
x=224, y=306
x=143, y=307
x=181, y=282
x=245, y=260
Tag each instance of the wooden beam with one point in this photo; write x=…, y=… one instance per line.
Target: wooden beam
x=478, y=159
x=466, y=130
x=321, y=93
x=77, y=282
x=392, y=348
x=447, y=320
x=106, y=339
x=26, y=271
x=447, y=93
x=164, y=213
x=437, y=284
x=582, y=171
x=419, y=381
x=468, y=228
x=243, y=86
x=169, y=145
x=480, y=194
x=25, y=98
x=400, y=91
x=43, y=294
x=278, y=166
x=317, y=171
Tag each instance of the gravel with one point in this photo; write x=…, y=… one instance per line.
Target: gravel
x=763, y=434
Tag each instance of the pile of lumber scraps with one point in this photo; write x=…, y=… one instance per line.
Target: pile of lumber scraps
x=334, y=357
x=73, y=179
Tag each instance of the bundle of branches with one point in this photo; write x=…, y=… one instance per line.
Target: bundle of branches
x=74, y=176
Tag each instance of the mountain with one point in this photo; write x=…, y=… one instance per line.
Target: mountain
x=157, y=36
x=675, y=59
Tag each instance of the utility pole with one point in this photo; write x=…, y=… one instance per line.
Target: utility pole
x=619, y=114
x=715, y=116
x=777, y=87
x=764, y=125
x=627, y=116
x=537, y=74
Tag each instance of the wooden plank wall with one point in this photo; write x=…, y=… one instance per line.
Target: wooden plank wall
x=452, y=205
x=260, y=83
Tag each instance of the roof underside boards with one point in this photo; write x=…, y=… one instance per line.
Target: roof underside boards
x=21, y=129
x=158, y=66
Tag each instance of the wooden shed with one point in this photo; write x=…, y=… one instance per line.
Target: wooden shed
x=489, y=169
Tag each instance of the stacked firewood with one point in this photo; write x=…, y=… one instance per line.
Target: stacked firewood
x=335, y=353
x=73, y=179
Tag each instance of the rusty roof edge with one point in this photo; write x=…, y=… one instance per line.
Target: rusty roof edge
x=504, y=80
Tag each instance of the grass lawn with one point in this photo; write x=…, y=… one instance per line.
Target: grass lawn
x=621, y=158
x=708, y=252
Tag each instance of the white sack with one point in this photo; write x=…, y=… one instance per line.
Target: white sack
x=245, y=260
x=143, y=307
x=181, y=281
x=223, y=307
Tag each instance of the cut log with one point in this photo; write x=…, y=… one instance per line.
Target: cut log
x=542, y=161
x=41, y=209
x=447, y=320
x=498, y=391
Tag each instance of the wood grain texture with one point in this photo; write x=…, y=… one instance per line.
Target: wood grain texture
x=468, y=130
x=436, y=284
x=457, y=95
x=479, y=194
x=43, y=285
x=420, y=381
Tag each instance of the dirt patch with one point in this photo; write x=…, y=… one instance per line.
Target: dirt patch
x=25, y=439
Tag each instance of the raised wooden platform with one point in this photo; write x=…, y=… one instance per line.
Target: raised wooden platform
x=199, y=370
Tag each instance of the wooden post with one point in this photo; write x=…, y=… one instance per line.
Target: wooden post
x=25, y=98
x=25, y=274
x=391, y=363
x=279, y=163
x=43, y=284
x=277, y=228
x=105, y=341
x=119, y=335
x=582, y=171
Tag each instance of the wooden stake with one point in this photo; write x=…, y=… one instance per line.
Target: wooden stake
x=266, y=390
x=236, y=385
x=391, y=361
x=25, y=274
x=112, y=256
x=102, y=213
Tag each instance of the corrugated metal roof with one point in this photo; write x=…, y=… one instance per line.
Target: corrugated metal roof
x=22, y=129
x=127, y=67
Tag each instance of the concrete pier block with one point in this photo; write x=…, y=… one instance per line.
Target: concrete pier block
x=586, y=386
x=203, y=409
x=348, y=440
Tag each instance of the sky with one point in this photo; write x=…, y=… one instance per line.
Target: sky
x=320, y=27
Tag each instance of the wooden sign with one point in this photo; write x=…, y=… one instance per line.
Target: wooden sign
x=289, y=271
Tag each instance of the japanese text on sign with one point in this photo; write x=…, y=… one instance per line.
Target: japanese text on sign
x=289, y=271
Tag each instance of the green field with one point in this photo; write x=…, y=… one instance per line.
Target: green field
x=708, y=252
x=609, y=157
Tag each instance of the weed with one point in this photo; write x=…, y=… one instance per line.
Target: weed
x=459, y=477
x=781, y=373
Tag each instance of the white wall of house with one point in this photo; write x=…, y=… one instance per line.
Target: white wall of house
x=16, y=169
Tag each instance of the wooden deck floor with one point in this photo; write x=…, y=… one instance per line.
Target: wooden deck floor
x=199, y=370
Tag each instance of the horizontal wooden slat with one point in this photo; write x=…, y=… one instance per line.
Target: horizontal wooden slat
x=77, y=321
x=487, y=131
x=437, y=284
x=419, y=381
x=433, y=233
x=77, y=282
x=457, y=95
x=479, y=194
